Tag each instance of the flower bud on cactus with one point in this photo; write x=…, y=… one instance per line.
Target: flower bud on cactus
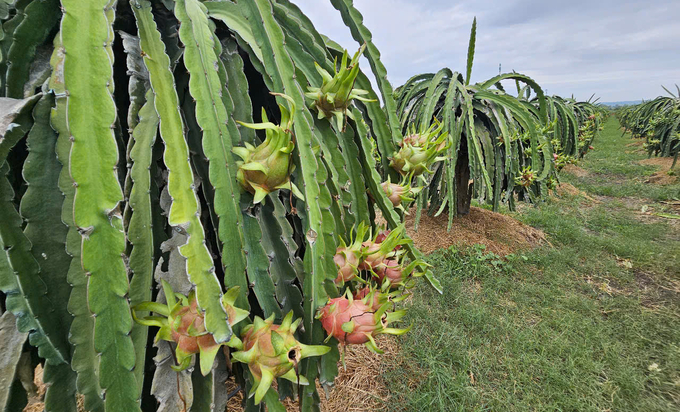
x=353, y=321
x=334, y=96
x=420, y=150
x=271, y=351
x=267, y=167
x=181, y=321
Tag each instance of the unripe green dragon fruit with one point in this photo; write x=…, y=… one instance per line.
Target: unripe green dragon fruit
x=353, y=321
x=271, y=351
x=268, y=167
x=420, y=150
x=332, y=99
x=181, y=321
x=526, y=178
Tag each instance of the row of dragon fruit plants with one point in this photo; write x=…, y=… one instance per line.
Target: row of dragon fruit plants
x=212, y=171
x=658, y=122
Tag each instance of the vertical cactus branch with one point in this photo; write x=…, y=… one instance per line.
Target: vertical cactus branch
x=81, y=335
x=87, y=35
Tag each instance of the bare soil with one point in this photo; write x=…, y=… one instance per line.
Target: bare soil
x=661, y=177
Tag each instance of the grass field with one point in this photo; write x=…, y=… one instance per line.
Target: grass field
x=590, y=323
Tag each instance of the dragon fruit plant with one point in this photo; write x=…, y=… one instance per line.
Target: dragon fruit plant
x=271, y=351
x=333, y=98
x=132, y=150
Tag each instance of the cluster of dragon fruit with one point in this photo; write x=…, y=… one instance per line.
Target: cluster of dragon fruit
x=373, y=271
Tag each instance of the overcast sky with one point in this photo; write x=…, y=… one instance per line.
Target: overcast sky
x=617, y=49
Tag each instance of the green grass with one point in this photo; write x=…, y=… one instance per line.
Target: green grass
x=589, y=324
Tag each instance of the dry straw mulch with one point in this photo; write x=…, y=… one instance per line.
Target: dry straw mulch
x=575, y=170
x=358, y=388
x=501, y=234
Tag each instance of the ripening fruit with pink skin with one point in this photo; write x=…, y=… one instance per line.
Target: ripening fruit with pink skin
x=271, y=351
x=352, y=321
x=372, y=298
x=591, y=148
x=555, y=156
x=372, y=256
x=182, y=321
x=347, y=261
x=390, y=270
x=394, y=192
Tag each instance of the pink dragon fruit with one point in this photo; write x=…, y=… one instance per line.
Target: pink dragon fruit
x=182, y=322
x=348, y=258
x=352, y=321
x=271, y=351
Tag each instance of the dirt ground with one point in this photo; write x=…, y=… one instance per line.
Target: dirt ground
x=661, y=177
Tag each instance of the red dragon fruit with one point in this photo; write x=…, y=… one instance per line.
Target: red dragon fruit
x=348, y=258
x=352, y=321
x=394, y=274
x=271, y=351
x=385, y=245
x=182, y=322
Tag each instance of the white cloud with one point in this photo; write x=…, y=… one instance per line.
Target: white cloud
x=618, y=49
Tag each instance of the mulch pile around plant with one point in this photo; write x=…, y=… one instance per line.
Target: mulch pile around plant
x=501, y=234
x=661, y=177
x=575, y=170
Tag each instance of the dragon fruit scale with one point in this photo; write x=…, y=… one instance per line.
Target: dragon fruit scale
x=271, y=351
x=353, y=321
x=267, y=167
x=182, y=322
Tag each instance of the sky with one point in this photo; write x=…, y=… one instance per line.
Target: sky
x=617, y=49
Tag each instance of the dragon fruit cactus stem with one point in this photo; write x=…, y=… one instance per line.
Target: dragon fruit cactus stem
x=182, y=322
x=271, y=351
